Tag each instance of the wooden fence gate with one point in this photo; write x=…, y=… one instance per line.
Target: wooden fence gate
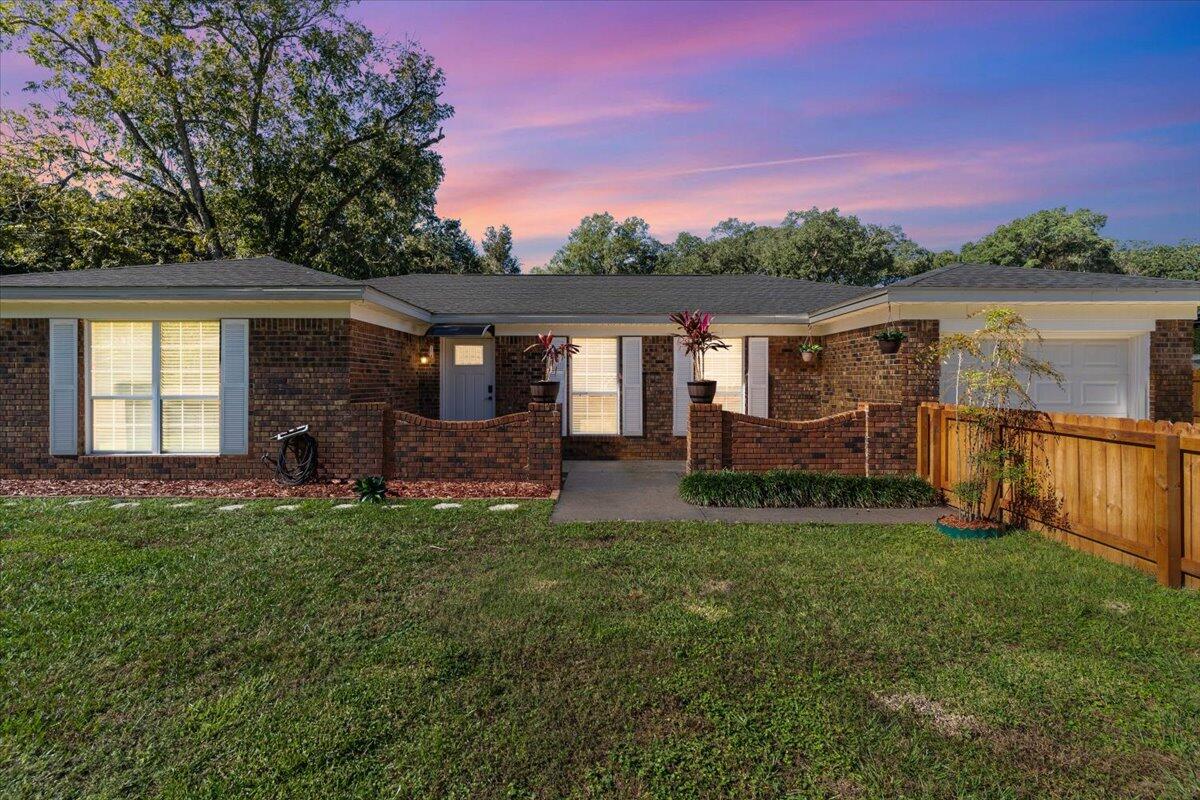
x=1130, y=489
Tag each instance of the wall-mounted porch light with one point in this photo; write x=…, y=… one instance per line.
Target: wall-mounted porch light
x=427, y=357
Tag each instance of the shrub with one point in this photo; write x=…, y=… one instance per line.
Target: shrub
x=786, y=488
x=370, y=489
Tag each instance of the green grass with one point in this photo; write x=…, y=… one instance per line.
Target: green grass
x=789, y=488
x=369, y=652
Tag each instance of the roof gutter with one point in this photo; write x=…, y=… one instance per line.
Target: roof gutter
x=619, y=319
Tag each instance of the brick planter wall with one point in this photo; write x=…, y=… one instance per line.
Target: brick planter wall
x=840, y=443
x=523, y=446
x=1171, y=370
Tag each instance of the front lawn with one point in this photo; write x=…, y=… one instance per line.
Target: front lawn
x=412, y=652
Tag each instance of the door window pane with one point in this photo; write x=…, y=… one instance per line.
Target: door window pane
x=594, y=387
x=468, y=355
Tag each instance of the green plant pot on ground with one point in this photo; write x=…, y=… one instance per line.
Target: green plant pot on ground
x=958, y=529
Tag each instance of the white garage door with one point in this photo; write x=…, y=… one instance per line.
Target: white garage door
x=1095, y=377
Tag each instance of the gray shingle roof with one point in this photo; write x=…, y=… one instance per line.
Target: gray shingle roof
x=553, y=295
x=228, y=273
x=990, y=276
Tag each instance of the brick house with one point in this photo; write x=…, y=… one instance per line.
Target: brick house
x=186, y=370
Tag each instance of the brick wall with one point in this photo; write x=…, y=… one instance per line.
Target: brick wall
x=796, y=389
x=852, y=370
x=522, y=446
x=298, y=375
x=840, y=443
x=1171, y=370
x=385, y=365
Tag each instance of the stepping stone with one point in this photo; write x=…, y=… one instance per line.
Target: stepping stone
x=444, y=506
x=77, y=502
x=285, y=508
x=10, y=502
x=130, y=504
x=504, y=507
x=233, y=507
x=182, y=505
x=345, y=505
x=397, y=505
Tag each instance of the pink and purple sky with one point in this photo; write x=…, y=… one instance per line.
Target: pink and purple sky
x=945, y=118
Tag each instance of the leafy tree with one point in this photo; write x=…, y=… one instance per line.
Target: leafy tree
x=274, y=126
x=497, y=251
x=1181, y=261
x=53, y=225
x=815, y=245
x=441, y=245
x=1051, y=239
x=600, y=245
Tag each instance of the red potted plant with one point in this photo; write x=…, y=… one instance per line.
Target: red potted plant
x=551, y=354
x=698, y=339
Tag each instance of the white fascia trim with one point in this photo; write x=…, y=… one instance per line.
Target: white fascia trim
x=373, y=295
x=992, y=296
x=613, y=319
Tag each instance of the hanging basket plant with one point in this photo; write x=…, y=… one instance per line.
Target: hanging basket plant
x=810, y=352
x=890, y=340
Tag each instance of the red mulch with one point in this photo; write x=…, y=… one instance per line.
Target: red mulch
x=266, y=488
x=962, y=523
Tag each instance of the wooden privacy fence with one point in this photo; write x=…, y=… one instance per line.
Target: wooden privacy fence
x=1196, y=395
x=1130, y=489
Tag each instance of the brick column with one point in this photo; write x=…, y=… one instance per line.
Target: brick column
x=704, y=444
x=1171, y=370
x=545, y=444
x=883, y=429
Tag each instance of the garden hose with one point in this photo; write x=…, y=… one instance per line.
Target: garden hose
x=297, y=462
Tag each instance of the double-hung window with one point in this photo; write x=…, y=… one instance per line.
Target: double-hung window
x=594, y=405
x=155, y=387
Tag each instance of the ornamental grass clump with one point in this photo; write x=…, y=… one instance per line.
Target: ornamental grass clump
x=998, y=453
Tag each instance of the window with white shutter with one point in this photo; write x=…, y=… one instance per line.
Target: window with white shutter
x=595, y=387
x=154, y=387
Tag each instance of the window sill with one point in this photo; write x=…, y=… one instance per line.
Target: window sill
x=152, y=455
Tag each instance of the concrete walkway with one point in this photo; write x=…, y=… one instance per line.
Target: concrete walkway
x=649, y=490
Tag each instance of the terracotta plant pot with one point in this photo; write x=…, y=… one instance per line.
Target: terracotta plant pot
x=544, y=391
x=702, y=391
x=889, y=346
x=808, y=356
x=958, y=528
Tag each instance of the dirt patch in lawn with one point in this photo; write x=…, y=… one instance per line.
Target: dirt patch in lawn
x=264, y=488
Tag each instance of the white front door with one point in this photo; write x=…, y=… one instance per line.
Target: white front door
x=468, y=378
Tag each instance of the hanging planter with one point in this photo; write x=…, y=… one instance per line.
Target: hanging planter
x=890, y=340
x=810, y=352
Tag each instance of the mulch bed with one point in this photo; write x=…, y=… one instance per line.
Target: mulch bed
x=265, y=488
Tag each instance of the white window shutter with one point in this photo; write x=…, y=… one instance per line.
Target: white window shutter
x=683, y=374
x=631, y=386
x=757, y=380
x=64, y=387
x=560, y=375
x=235, y=386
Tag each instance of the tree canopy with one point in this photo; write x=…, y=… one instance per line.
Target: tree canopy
x=600, y=245
x=275, y=126
x=497, y=251
x=1051, y=239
